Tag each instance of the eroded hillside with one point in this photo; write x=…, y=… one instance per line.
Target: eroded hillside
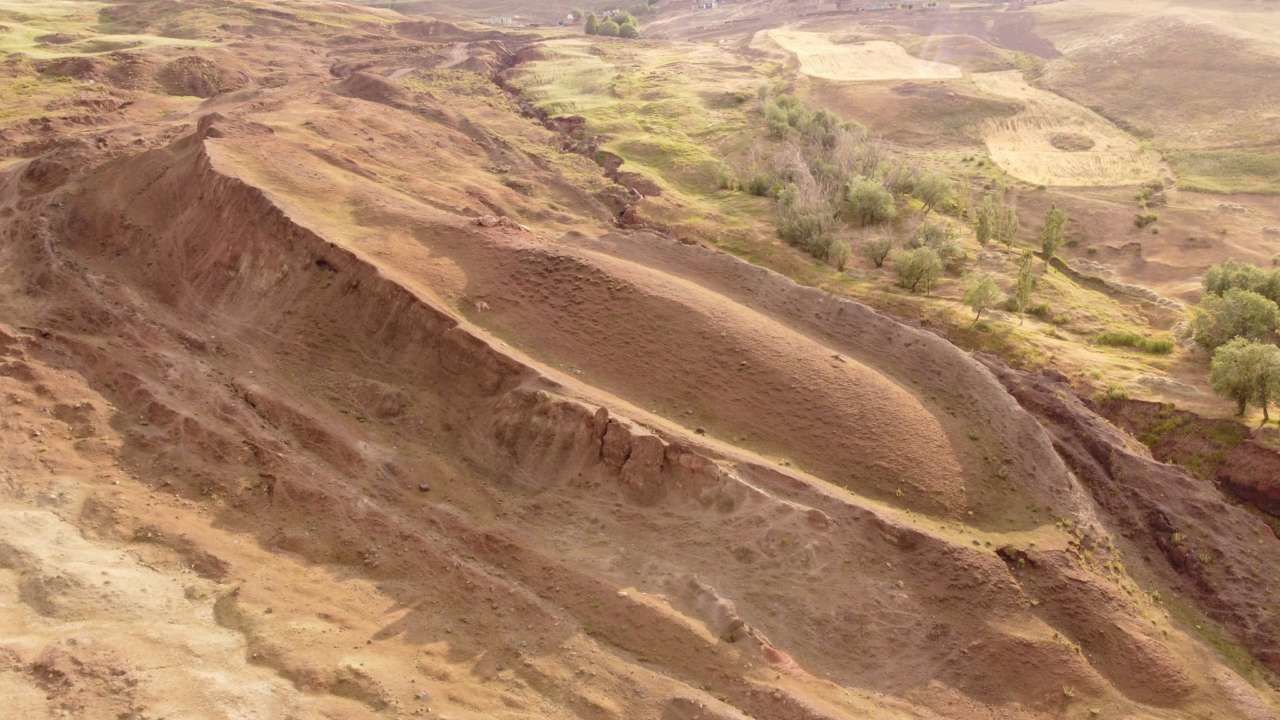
x=341, y=379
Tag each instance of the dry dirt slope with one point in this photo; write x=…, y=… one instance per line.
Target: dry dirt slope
x=268, y=456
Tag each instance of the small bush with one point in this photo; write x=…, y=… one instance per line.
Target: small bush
x=725, y=179
x=901, y=179
x=1113, y=393
x=1042, y=311
x=609, y=28
x=838, y=253
x=1144, y=219
x=759, y=185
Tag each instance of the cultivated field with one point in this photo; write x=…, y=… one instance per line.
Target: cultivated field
x=1054, y=141
x=819, y=57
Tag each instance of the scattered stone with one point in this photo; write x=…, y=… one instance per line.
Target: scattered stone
x=424, y=487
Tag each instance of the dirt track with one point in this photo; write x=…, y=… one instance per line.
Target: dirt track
x=346, y=445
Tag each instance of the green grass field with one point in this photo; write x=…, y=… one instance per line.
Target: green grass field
x=1228, y=171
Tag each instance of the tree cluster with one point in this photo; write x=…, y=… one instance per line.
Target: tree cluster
x=1237, y=320
x=826, y=174
x=617, y=24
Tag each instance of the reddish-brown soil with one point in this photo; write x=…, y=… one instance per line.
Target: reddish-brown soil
x=331, y=396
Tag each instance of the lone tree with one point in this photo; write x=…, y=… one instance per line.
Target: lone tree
x=1006, y=225
x=628, y=30
x=1236, y=313
x=1248, y=372
x=877, y=249
x=932, y=191
x=593, y=24
x=985, y=229
x=917, y=269
x=1026, y=282
x=870, y=203
x=983, y=293
x=1051, y=234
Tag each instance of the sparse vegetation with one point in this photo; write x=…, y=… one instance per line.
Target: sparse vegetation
x=1145, y=219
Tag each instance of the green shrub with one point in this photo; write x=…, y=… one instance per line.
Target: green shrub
x=1041, y=310
x=1114, y=393
x=628, y=30
x=869, y=203
x=838, y=253
x=1124, y=338
x=1144, y=219
x=759, y=185
x=609, y=28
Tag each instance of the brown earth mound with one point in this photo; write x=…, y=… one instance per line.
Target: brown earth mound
x=1072, y=142
x=199, y=76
